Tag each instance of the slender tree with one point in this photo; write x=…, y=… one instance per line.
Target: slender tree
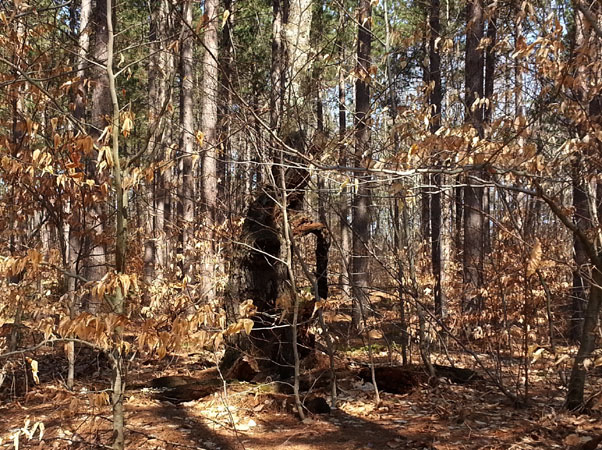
x=361, y=202
x=435, y=100
x=187, y=138
x=473, y=193
x=94, y=253
x=160, y=74
x=344, y=220
x=72, y=233
x=588, y=48
x=209, y=175
x=118, y=300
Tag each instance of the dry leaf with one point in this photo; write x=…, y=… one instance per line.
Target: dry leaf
x=572, y=439
x=534, y=258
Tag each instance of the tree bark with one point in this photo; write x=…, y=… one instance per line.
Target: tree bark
x=209, y=100
x=93, y=253
x=586, y=54
x=186, y=189
x=361, y=201
x=473, y=193
x=435, y=100
x=259, y=271
x=574, y=398
x=73, y=238
x=489, y=82
x=344, y=221
x=119, y=298
x=278, y=75
x=582, y=221
x=160, y=72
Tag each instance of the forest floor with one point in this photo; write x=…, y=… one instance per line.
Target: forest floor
x=473, y=415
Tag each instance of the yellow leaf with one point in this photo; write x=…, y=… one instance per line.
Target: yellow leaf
x=534, y=259
x=537, y=354
x=248, y=325
x=199, y=137
x=233, y=329
x=225, y=17
x=219, y=338
x=125, y=282
x=247, y=308
x=34, y=370
x=344, y=184
x=318, y=305
x=126, y=126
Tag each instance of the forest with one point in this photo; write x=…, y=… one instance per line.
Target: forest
x=303, y=224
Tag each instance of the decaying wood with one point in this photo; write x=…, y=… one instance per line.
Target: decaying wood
x=259, y=272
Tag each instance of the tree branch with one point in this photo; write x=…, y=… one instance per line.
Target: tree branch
x=590, y=18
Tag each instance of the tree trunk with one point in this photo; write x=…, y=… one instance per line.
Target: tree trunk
x=344, y=221
x=209, y=99
x=118, y=357
x=361, y=202
x=435, y=100
x=489, y=81
x=93, y=253
x=580, y=284
x=226, y=190
x=473, y=245
x=186, y=189
x=297, y=27
x=587, y=53
x=160, y=70
x=259, y=272
x=278, y=75
x=473, y=193
x=574, y=398
x=490, y=60
x=73, y=238
x=259, y=268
